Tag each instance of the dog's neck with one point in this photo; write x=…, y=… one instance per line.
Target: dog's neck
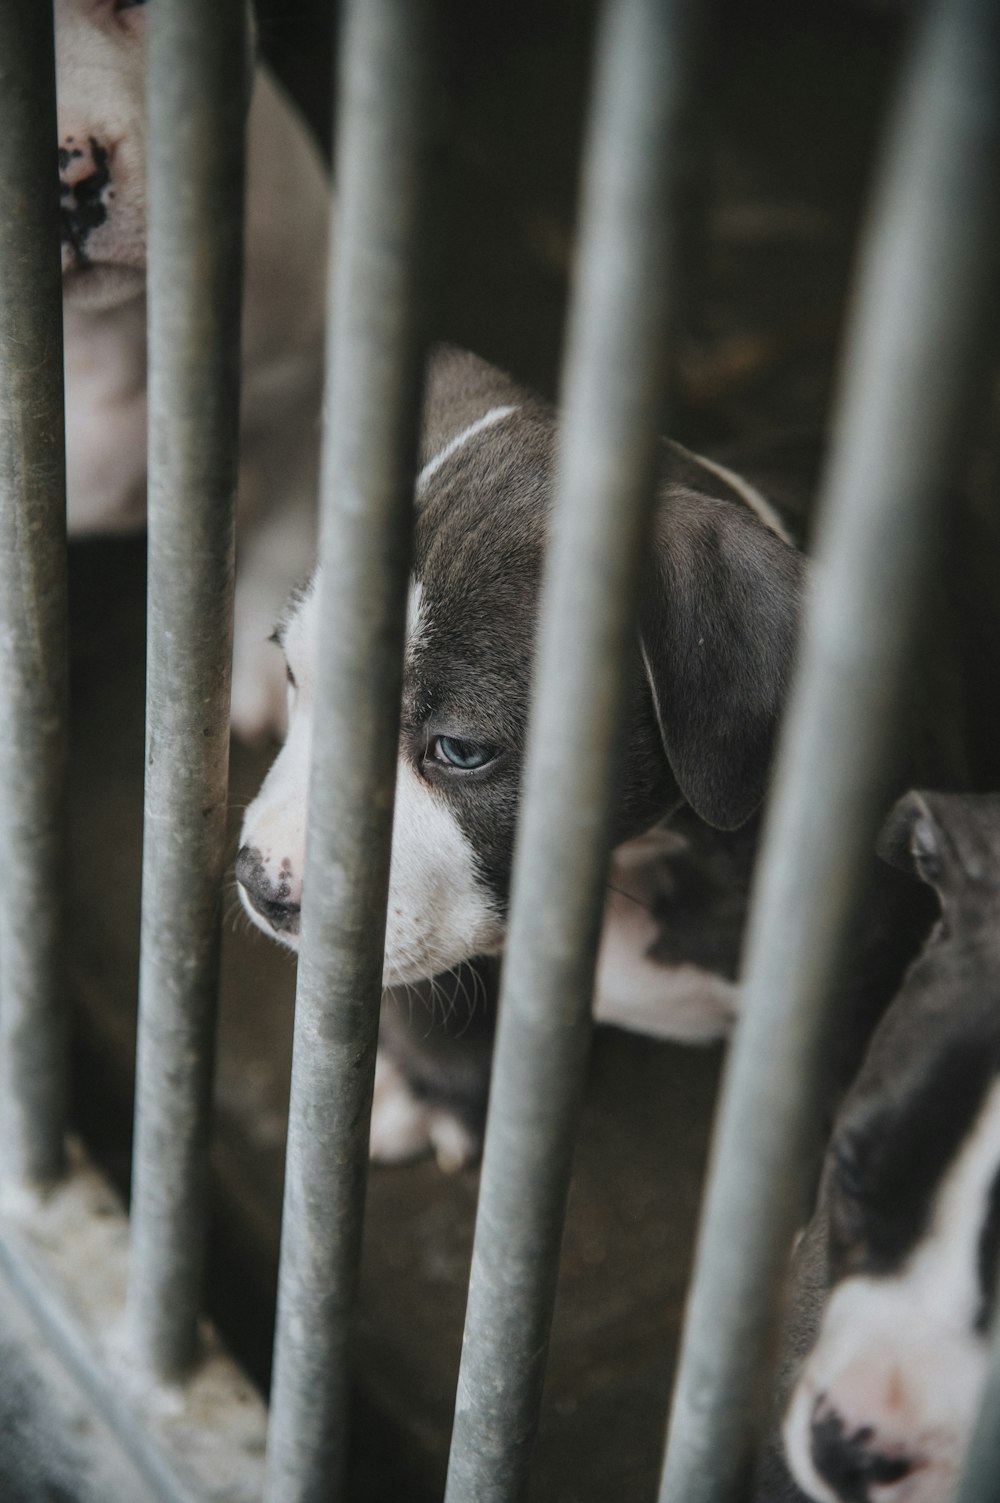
x=107, y=346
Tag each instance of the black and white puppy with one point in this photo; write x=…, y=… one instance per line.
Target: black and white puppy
x=898, y=1271
x=717, y=628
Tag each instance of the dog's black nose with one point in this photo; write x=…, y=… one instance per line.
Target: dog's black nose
x=84, y=174
x=851, y=1460
x=273, y=901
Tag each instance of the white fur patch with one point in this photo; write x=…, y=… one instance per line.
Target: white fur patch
x=439, y=911
x=416, y=620
x=488, y=420
x=633, y=991
x=900, y=1354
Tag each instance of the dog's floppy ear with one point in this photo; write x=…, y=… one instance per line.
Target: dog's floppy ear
x=718, y=625
x=949, y=840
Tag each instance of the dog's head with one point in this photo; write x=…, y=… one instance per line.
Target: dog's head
x=101, y=79
x=101, y=99
x=885, y=1401
x=707, y=680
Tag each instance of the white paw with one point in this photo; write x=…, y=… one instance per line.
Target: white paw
x=405, y=1127
x=680, y=1003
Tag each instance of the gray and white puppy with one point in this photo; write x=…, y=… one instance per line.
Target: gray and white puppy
x=897, y=1274
x=717, y=628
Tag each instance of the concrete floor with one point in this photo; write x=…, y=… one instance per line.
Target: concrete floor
x=53, y=1447
x=796, y=94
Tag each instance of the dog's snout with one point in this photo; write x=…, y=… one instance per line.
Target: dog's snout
x=852, y=1461
x=84, y=176
x=274, y=901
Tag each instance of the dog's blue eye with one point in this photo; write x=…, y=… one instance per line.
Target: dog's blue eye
x=463, y=754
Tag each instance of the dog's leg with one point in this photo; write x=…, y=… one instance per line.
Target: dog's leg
x=634, y=987
x=405, y=1127
x=681, y=1004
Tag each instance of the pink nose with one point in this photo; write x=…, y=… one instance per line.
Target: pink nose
x=77, y=160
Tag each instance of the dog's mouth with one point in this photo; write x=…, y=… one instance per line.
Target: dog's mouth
x=278, y=920
x=270, y=905
x=283, y=918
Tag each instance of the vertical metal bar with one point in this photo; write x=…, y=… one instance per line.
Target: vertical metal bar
x=981, y=1478
x=198, y=80
x=614, y=384
x=385, y=130
x=921, y=321
x=33, y=679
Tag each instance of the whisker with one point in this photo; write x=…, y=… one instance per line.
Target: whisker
x=646, y=907
x=469, y=996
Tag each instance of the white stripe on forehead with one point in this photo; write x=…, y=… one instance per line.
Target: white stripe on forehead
x=488, y=419
x=416, y=617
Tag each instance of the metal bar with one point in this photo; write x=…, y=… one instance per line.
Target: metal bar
x=387, y=106
x=33, y=675
x=981, y=1476
x=920, y=323
x=614, y=388
x=198, y=84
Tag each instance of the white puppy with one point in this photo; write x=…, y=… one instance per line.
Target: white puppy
x=717, y=634
x=100, y=54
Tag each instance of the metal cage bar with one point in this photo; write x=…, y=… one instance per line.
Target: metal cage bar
x=199, y=69
x=33, y=674
x=387, y=108
x=917, y=335
x=614, y=381
x=981, y=1478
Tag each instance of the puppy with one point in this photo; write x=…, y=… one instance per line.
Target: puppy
x=100, y=58
x=707, y=682
x=897, y=1274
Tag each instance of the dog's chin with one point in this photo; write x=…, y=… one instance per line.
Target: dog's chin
x=397, y=970
x=394, y=974
x=102, y=285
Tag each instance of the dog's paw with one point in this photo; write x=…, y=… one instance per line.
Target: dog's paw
x=637, y=986
x=680, y=1003
x=405, y=1126
x=634, y=990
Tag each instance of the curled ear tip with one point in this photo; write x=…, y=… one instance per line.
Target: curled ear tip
x=908, y=832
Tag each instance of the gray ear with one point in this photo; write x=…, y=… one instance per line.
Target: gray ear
x=950, y=840
x=718, y=626
x=911, y=841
